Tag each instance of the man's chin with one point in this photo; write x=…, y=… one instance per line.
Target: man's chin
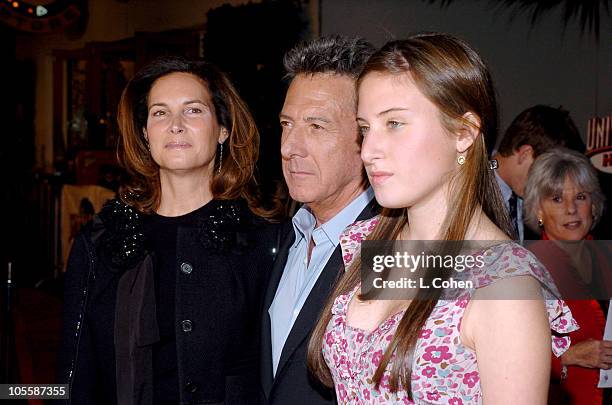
x=302, y=196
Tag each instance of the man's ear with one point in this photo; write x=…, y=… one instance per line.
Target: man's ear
x=223, y=134
x=525, y=154
x=468, y=131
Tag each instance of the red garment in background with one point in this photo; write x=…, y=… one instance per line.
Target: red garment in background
x=580, y=386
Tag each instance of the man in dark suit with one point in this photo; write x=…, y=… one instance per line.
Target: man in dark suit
x=320, y=150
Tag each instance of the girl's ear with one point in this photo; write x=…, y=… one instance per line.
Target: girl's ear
x=468, y=130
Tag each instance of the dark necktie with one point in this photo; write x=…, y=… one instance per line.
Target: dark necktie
x=512, y=203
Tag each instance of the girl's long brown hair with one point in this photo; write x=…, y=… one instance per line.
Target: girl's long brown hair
x=453, y=77
x=236, y=177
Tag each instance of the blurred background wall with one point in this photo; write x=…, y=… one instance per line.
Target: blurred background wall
x=548, y=62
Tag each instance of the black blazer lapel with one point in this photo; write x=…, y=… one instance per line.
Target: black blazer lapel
x=275, y=276
x=309, y=314
x=312, y=308
x=370, y=210
x=288, y=237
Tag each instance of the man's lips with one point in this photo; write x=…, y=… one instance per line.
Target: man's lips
x=299, y=173
x=379, y=176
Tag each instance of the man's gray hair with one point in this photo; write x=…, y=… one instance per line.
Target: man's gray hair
x=334, y=54
x=547, y=176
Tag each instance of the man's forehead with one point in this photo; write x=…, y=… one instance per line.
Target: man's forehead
x=341, y=83
x=320, y=93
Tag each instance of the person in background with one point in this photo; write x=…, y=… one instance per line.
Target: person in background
x=563, y=202
x=533, y=132
x=164, y=288
x=427, y=111
x=320, y=148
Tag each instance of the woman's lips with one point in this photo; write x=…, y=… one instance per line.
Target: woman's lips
x=379, y=177
x=178, y=145
x=573, y=225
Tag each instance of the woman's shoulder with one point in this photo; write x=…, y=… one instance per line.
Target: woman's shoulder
x=353, y=234
x=118, y=235
x=509, y=259
x=231, y=226
x=365, y=226
x=509, y=273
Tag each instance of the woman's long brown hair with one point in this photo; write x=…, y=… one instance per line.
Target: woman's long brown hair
x=454, y=78
x=234, y=179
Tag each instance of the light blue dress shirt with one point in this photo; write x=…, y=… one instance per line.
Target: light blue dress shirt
x=506, y=192
x=299, y=276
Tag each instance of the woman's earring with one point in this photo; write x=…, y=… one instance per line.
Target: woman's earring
x=540, y=223
x=220, y=159
x=461, y=159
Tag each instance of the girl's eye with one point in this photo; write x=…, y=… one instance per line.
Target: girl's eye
x=363, y=129
x=394, y=124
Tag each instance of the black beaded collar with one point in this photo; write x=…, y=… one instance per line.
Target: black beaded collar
x=221, y=227
x=123, y=244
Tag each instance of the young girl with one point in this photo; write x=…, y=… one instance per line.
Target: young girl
x=427, y=111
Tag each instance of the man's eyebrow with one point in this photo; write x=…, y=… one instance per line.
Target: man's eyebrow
x=317, y=118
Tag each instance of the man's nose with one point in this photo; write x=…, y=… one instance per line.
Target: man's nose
x=293, y=143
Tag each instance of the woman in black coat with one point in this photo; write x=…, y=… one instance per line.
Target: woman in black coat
x=163, y=289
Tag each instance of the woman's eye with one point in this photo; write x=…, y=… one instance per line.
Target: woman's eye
x=363, y=129
x=581, y=196
x=394, y=124
x=158, y=113
x=194, y=110
x=556, y=198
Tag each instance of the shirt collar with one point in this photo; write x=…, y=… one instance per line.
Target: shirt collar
x=304, y=221
x=506, y=191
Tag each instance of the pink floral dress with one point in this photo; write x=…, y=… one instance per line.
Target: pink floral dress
x=443, y=370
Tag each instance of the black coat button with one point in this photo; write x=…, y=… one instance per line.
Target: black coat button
x=186, y=268
x=191, y=387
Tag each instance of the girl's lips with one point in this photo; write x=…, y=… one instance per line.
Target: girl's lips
x=379, y=177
